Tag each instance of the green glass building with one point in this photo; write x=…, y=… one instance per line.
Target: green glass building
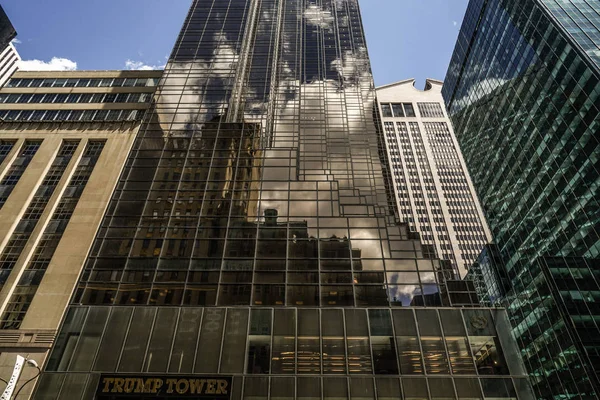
x=523, y=92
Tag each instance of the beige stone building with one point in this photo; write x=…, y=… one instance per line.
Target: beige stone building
x=432, y=186
x=64, y=139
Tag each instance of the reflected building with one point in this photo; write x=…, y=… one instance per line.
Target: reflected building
x=251, y=248
x=432, y=187
x=523, y=92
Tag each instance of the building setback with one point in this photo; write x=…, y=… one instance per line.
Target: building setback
x=523, y=92
x=63, y=143
x=9, y=62
x=249, y=250
x=9, y=58
x=431, y=183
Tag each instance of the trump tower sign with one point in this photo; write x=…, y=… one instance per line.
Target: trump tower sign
x=199, y=387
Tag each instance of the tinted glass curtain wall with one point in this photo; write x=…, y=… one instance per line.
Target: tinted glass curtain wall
x=524, y=94
x=258, y=179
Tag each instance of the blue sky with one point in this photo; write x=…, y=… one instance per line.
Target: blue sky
x=406, y=38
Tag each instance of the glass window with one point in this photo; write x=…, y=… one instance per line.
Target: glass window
x=134, y=350
x=306, y=295
x=361, y=389
x=388, y=388
x=308, y=388
x=159, y=348
x=50, y=115
x=409, y=110
x=335, y=388
x=359, y=351
x=73, y=98
x=49, y=98
x=60, y=98
x=436, y=361
x=386, y=110
x=234, y=341
x=186, y=337
x=59, y=83
x=259, y=342
x=284, y=344
x=231, y=295
x=67, y=339
x=511, y=352
x=49, y=386
x=485, y=346
x=397, y=109
x=283, y=388
x=441, y=389
x=24, y=98
x=415, y=389
x=309, y=347
x=269, y=295
x=73, y=387
x=524, y=389
x=498, y=389
x=468, y=389
x=334, y=349
x=108, y=356
x=97, y=98
x=256, y=388
x=461, y=360
x=382, y=342
x=89, y=340
x=209, y=345
x=409, y=349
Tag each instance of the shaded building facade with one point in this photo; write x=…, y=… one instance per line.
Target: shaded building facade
x=523, y=93
x=63, y=145
x=431, y=183
x=251, y=249
x=7, y=30
x=9, y=57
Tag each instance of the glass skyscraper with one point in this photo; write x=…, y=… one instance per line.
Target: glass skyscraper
x=523, y=92
x=252, y=250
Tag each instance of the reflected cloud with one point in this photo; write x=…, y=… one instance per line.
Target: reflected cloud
x=315, y=15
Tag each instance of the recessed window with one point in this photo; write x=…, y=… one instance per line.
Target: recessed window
x=409, y=110
x=386, y=110
x=397, y=109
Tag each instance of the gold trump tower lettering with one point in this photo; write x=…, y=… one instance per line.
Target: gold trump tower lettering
x=215, y=387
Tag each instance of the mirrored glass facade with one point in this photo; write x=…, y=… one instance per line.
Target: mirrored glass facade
x=525, y=99
x=253, y=239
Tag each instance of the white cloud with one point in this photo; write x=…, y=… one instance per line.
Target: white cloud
x=139, y=65
x=454, y=23
x=55, y=64
x=16, y=41
x=316, y=16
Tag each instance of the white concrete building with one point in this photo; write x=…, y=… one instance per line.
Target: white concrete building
x=9, y=60
x=433, y=190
